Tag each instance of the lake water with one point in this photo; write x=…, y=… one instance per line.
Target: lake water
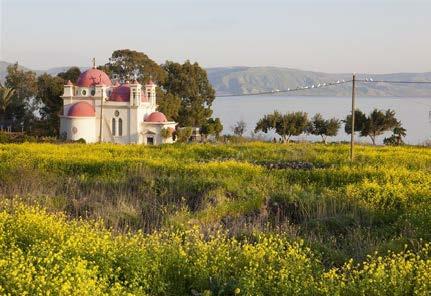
x=414, y=113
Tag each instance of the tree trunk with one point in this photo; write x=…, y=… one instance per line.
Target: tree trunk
x=324, y=139
x=373, y=139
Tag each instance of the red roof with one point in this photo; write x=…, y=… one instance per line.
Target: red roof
x=156, y=117
x=81, y=109
x=120, y=93
x=150, y=82
x=93, y=77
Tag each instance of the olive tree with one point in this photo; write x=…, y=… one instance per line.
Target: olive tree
x=285, y=125
x=323, y=127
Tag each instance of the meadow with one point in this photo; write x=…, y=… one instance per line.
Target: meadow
x=214, y=219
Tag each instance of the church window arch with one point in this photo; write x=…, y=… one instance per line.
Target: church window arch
x=120, y=127
x=113, y=127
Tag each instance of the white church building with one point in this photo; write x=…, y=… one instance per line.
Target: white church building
x=96, y=110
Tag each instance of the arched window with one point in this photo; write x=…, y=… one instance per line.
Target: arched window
x=113, y=127
x=120, y=127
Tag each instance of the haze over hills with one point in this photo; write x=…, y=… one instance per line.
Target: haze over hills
x=246, y=80
x=237, y=80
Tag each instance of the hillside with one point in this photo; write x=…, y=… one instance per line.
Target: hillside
x=239, y=80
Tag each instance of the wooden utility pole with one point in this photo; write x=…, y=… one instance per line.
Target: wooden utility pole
x=352, y=135
x=101, y=115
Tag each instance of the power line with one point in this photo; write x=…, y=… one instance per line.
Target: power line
x=300, y=88
x=393, y=81
x=322, y=85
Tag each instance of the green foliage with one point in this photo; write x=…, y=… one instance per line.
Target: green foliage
x=398, y=133
x=360, y=119
x=50, y=90
x=166, y=133
x=190, y=82
x=379, y=122
x=169, y=104
x=5, y=97
x=374, y=124
x=127, y=64
x=22, y=107
x=285, y=125
x=183, y=134
x=212, y=127
x=71, y=74
x=323, y=127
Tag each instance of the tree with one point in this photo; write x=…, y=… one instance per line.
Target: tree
x=239, y=128
x=71, y=74
x=183, y=134
x=168, y=103
x=190, y=83
x=398, y=133
x=6, y=94
x=378, y=122
x=129, y=64
x=268, y=122
x=49, y=91
x=360, y=119
x=22, y=107
x=323, y=127
x=286, y=125
x=166, y=133
x=212, y=127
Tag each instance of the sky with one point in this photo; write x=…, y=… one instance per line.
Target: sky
x=363, y=36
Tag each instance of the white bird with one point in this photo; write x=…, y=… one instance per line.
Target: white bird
x=338, y=81
x=312, y=86
x=319, y=85
x=344, y=80
x=324, y=84
x=371, y=79
x=288, y=89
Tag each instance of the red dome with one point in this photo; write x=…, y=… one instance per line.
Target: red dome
x=121, y=93
x=93, y=77
x=81, y=109
x=156, y=117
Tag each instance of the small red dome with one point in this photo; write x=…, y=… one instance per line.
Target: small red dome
x=81, y=109
x=120, y=93
x=156, y=117
x=69, y=83
x=93, y=77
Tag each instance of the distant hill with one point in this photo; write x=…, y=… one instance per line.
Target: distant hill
x=239, y=80
x=51, y=71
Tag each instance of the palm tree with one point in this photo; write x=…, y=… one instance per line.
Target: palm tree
x=6, y=94
x=399, y=133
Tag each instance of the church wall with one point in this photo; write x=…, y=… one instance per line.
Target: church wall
x=76, y=128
